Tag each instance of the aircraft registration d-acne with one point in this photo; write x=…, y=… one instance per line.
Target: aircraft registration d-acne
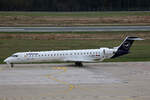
x=77, y=56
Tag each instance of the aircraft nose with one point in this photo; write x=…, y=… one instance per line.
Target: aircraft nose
x=6, y=60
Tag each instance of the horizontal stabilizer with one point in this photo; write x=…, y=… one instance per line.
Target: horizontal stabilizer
x=134, y=38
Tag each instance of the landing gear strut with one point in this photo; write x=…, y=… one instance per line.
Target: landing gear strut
x=78, y=64
x=11, y=65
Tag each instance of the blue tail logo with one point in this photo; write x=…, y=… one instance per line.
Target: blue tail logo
x=125, y=46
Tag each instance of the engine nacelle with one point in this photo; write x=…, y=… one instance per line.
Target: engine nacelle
x=107, y=53
x=105, y=50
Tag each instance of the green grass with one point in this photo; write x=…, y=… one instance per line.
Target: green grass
x=77, y=14
x=139, y=51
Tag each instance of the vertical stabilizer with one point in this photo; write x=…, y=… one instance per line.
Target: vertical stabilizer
x=125, y=46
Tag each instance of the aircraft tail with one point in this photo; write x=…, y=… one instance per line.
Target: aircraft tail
x=125, y=46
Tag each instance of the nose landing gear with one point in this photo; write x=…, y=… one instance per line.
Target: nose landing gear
x=78, y=64
x=11, y=65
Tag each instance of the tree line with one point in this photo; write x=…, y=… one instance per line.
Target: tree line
x=74, y=5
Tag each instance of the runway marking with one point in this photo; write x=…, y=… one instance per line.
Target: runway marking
x=59, y=81
x=64, y=68
x=60, y=68
x=130, y=99
x=71, y=86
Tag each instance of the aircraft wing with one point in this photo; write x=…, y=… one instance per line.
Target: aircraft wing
x=72, y=59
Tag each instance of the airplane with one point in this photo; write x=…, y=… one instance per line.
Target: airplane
x=77, y=56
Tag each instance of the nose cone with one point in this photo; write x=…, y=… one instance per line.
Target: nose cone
x=6, y=60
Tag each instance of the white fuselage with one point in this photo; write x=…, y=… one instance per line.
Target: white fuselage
x=77, y=56
x=86, y=55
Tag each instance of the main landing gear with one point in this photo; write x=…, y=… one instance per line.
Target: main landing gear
x=78, y=64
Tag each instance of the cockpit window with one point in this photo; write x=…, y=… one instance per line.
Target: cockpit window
x=14, y=55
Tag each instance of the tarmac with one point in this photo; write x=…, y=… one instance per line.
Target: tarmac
x=93, y=81
x=75, y=29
